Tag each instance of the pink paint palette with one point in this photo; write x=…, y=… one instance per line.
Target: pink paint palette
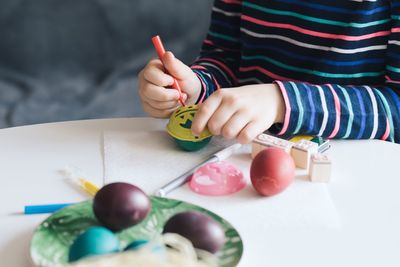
x=217, y=179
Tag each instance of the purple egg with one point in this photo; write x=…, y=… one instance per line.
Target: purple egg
x=120, y=205
x=203, y=231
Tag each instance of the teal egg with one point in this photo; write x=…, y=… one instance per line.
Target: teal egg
x=137, y=244
x=140, y=243
x=94, y=241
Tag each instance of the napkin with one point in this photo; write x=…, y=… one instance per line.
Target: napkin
x=149, y=159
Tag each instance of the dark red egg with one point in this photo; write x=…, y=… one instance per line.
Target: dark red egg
x=120, y=205
x=203, y=231
x=272, y=171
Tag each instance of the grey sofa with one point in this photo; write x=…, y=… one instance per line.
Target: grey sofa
x=78, y=59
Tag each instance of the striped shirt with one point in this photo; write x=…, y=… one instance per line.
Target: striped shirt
x=337, y=62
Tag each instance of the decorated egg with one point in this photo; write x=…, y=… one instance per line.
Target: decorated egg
x=203, y=231
x=272, y=171
x=94, y=241
x=179, y=127
x=120, y=205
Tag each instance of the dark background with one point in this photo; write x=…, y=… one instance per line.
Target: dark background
x=78, y=59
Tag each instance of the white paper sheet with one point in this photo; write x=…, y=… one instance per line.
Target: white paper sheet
x=149, y=159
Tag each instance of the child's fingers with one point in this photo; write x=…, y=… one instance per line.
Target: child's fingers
x=205, y=112
x=163, y=104
x=219, y=118
x=250, y=131
x=234, y=125
x=157, y=93
x=154, y=73
x=157, y=113
x=176, y=67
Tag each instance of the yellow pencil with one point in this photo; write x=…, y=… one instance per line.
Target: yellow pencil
x=88, y=186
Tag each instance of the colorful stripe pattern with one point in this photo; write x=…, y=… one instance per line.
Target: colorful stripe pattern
x=337, y=63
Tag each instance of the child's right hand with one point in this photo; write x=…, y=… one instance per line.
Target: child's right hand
x=155, y=81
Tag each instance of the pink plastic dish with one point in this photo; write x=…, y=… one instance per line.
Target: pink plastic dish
x=217, y=179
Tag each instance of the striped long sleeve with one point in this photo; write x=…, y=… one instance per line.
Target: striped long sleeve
x=337, y=63
x=217, y=65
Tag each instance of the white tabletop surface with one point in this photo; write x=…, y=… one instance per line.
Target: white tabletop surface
x=365, y=189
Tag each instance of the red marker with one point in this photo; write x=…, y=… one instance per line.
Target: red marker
x=160, y=52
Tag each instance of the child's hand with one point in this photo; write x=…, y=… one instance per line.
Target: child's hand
x=241, y=112
x=153, y=80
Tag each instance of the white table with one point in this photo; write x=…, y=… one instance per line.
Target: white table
x=365, y=189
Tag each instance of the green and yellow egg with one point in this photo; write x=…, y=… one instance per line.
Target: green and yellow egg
x=179, y=127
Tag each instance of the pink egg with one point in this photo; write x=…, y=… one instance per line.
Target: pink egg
x=217, y=179
x=272, y=171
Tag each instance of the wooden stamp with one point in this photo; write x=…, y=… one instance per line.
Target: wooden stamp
x=320, y=168
x=302, y=151
x=263, y=141
x=255, y=149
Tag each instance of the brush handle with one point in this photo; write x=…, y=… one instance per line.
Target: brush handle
x=184, y=178
x=227, y=152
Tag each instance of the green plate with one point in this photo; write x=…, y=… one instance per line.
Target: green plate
x=53, y=237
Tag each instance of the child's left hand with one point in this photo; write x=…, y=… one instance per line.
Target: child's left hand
x=240, y=112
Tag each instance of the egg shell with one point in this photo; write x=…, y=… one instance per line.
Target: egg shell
x=94, y=241
x=272, y=171
x=120, y=205
x=203, y=231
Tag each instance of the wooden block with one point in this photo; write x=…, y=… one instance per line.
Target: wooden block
x=263, y=141
x=255, y=149
x=320, y=168
x=302, y=151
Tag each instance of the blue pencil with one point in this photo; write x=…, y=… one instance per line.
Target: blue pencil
x=50, y=208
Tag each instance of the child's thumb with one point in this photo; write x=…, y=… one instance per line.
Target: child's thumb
x=175, y=67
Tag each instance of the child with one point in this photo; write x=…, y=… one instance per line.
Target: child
x=326, y=68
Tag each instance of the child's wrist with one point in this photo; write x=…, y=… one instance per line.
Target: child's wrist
x=280, y=104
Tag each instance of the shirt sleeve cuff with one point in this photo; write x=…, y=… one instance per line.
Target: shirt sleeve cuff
x=282, y=128
x=203, y=88
x=292, y=122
